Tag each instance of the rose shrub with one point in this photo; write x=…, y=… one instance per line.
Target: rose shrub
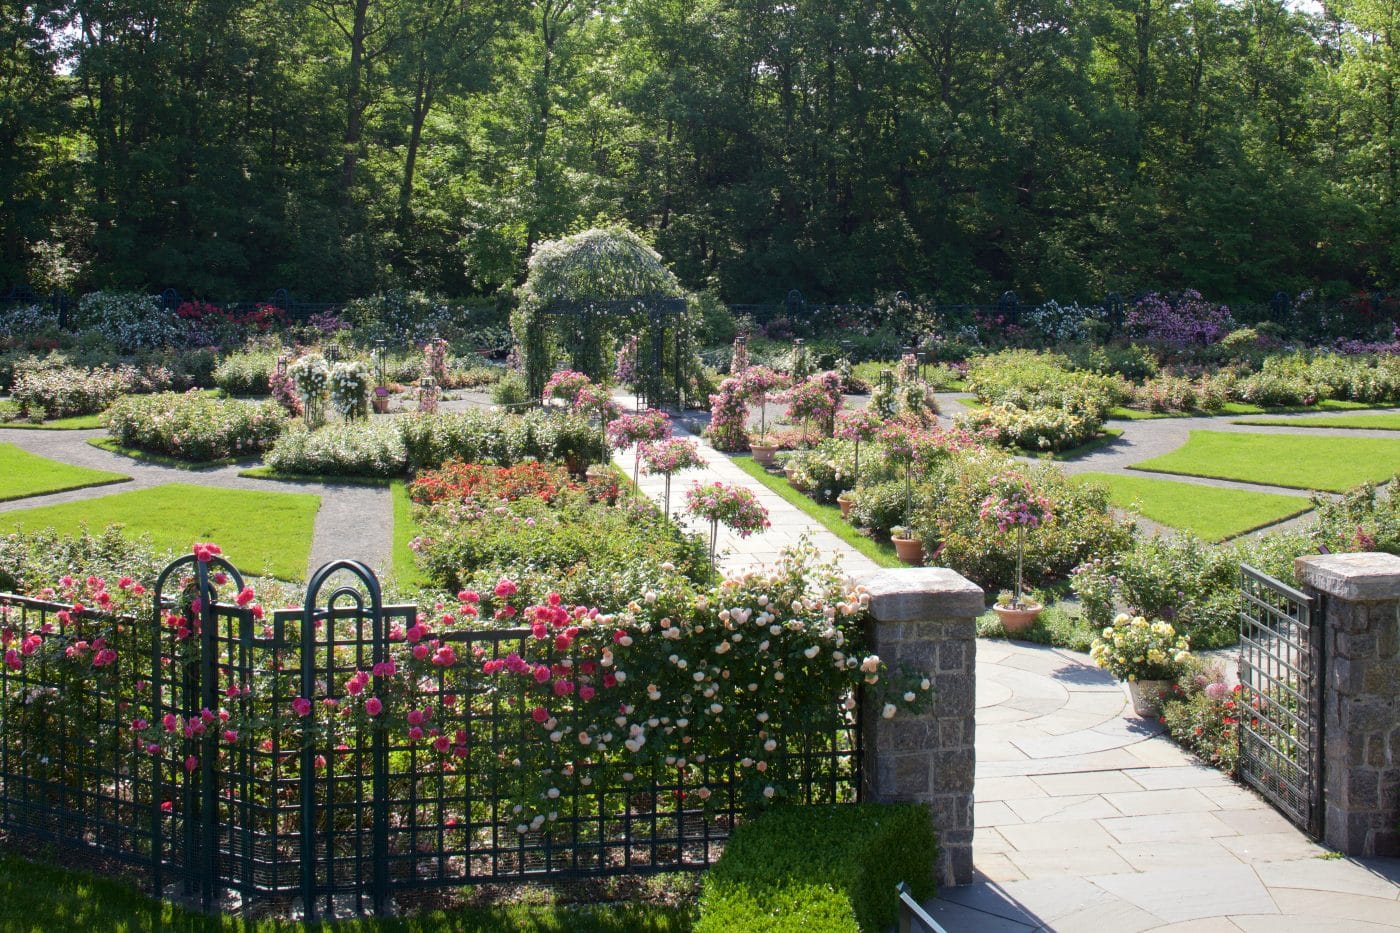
x=194, y=426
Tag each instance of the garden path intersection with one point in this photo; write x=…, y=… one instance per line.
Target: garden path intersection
x=1087, y=817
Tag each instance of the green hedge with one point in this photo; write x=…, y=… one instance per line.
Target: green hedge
x=830, y=868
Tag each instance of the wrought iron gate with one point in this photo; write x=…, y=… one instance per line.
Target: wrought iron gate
x=1280, y=700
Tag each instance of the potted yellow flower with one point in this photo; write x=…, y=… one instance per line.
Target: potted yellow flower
x=1147, y=656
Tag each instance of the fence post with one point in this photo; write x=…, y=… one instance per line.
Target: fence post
x=923, y=620
x=1360, y=698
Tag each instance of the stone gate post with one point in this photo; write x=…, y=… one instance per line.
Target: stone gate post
x=923, y=619
x=1360, y=698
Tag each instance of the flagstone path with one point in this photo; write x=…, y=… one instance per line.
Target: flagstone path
x=1089, y=818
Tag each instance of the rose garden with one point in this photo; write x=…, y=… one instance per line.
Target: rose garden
x=606, y=606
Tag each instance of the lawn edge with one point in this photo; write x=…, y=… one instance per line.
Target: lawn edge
x=53, y=492
x=135, y=453
x=268, y=474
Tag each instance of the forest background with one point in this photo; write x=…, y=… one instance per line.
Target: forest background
x=954, y=148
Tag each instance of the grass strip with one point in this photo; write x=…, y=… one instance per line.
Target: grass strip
x=405, y=566
x=262, y=533
x=42, y=897
x=1211, y=512
x=827, y=515
x=136, y=453
x=23, y=474
x=1120, y=413
x=75, y=423
x=328, y=479
x=1385, y=422
x=1102, y=439
x=1294, y=461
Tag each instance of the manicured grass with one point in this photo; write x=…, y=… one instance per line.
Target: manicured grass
x=1300, y=462
x=880, y=552
x=1386, y=422
x=406, y=570
x=1214, y=514
x=1237, y=408
x=268, y=473
x=24, y=474
x=262, y=533
x=135, y=453
x=35, y=897
x=75, y=423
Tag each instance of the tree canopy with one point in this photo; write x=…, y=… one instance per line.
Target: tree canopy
x=951, y=147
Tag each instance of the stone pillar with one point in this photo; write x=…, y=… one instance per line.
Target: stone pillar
x=1361, y=698
x=923, y=621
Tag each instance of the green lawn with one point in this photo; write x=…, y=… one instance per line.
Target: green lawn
x=262, y=533
x=24, y=474
x=1214, y=514
x=1237, y=408
x=41, y=898
x=75, y=423
x=1297, y=461
x=1385, y=422
x=881, y=553
x=330, y=479
x=406, y=570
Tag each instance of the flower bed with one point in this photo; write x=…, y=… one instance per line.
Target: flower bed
x=63, y=391
x=194, y=426
x=554, y=746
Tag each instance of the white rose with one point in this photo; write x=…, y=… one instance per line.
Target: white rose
x=888, y=711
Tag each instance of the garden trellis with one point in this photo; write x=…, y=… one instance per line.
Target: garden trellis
x=178, y=755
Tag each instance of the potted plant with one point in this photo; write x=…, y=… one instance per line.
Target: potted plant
x=1011, y=503
x=908, y=545
x=763, y=447
x=381, y=399
x=846, y=500
x=1016, y=616
x=1147, y=656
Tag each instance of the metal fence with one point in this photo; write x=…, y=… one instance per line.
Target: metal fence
x=332, y=814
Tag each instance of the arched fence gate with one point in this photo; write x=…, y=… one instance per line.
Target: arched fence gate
x=663, y=347
x=232, y=755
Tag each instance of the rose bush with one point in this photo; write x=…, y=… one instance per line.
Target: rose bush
x=194, y=426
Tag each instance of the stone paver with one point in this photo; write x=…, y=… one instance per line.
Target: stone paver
x=1112, y=827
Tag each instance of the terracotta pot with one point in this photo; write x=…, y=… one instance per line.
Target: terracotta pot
x=381, y=404
x=763, y=453
x=1016, y=621
x=845, y=504
x=1146, y=696
x=910, y=550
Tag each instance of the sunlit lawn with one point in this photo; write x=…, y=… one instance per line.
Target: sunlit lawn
x=1298, y=461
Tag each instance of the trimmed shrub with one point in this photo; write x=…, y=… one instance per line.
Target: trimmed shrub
x=246, y=373
x=363, y=448
x=1033, y=429
x=503, y=439
x=830, y=868
x=194, y=426
x=63, y=391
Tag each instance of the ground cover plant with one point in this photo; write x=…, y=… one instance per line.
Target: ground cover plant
x=39, y=897
x=1210, y=512
x=25, y=474
x=195, y=427
x=828, y=868
x=266, y=532
x=1334, y=464
x=1380, y=422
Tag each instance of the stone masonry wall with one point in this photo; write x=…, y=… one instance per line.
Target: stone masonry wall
x=923, y=620
x=1361, y=698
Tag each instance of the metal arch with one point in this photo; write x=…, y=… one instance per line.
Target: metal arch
x=379, y=891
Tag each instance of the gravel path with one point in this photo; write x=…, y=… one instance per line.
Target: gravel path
x=353, y=522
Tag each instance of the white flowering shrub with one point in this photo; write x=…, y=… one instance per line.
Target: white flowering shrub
x=349, y=389
x=1054, y=323
x=130, y=321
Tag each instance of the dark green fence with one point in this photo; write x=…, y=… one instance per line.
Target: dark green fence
x=330, y=811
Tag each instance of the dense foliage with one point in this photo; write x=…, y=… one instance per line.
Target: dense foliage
x=194, y=426
x=340, y=148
